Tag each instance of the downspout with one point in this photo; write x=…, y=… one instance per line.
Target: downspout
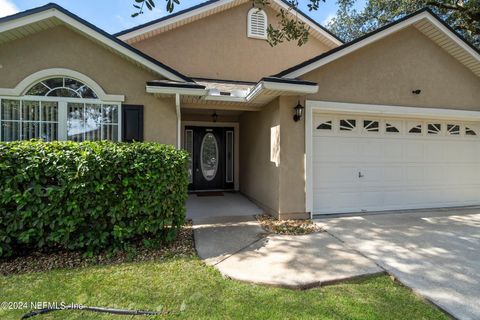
x=179, y=121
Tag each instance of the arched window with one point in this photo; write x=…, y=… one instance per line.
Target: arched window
x=257, y=24
x=59, y=108
x=62, y=87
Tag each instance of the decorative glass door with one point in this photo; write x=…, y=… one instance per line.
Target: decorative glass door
x=210, y=165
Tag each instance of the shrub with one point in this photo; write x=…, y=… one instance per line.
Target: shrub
x=89, y=196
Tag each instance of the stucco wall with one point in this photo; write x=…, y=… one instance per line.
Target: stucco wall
x=292, y=159
x=218, y=47
x=259, y=175
x=272, y=159
x=387, y=71
x=62, y=48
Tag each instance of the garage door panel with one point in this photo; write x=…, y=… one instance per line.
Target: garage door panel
x=334, y=176
x=334, y=202
x=330, y=149
x=359, y=170
x=414, y=151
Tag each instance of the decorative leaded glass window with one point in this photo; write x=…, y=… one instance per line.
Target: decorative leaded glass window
x=348, y=125
x=391, y=128
x=417, y=128
x=470, y=132
x=371, y=126
x=453, y=129
x=434, y=128
x=327, y=125
x=62, y=87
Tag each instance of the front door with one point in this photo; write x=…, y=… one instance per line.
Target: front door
x=211, y=163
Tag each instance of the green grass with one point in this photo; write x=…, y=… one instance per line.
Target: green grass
x=206, y=295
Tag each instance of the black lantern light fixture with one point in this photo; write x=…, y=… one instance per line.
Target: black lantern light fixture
x=215, y=116
x=418, y=91
x=298, y=112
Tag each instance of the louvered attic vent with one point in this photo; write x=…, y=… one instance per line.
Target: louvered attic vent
x=257, y=24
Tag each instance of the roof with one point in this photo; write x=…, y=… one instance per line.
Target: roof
x=213, y=6
x=234, y=94
x=44, y=17
x=424, y=20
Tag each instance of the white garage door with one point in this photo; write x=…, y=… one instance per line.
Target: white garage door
x=364, y=163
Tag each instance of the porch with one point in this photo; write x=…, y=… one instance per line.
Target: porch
x=220, y=205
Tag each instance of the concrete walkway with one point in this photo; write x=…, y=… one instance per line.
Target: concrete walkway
x=434, y=252
x=231, y=204
x=241, y=250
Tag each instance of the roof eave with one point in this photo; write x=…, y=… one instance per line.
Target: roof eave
x=407, y=21
x=53, y=10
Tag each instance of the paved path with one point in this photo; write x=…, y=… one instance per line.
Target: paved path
x=231, y=204
x=241, y=250
x=436, y=253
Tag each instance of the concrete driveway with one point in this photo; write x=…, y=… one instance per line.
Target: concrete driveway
x=434, y=252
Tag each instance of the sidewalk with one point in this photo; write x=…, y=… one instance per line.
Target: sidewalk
x=240, y=249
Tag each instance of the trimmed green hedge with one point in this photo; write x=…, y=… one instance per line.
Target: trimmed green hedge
x=89, y=196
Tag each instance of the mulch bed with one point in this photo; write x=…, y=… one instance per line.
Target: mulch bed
x=42, y=261
x=287, y=227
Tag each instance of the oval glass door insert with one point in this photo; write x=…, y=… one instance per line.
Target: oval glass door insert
x=209, y=156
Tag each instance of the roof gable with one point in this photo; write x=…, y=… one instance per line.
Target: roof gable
x=24, y=23
x=208, y=8
x=424, y=20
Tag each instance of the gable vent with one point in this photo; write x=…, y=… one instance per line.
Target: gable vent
x=257, y=24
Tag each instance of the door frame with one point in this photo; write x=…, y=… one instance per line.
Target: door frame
x=236, y=147
x=366, y=109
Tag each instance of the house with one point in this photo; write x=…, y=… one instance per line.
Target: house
x=391, y=120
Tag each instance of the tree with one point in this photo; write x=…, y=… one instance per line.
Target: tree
x=349, y=24
x=289, y=27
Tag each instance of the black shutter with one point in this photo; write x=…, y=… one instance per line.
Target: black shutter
x=132, y=123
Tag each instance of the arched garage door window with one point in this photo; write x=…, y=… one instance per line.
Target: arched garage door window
x=59, y=108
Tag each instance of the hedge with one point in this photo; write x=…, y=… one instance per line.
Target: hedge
x=89, y=196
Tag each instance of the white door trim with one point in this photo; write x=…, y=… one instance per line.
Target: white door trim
x=393, y=111
x=368, y=109
x=236, y=130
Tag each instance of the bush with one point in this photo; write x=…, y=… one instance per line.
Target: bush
x=89, y=196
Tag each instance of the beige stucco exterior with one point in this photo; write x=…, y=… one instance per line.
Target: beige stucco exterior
x=272, y=159
x=259, y=156
x=387, y=71
x=271, y=145
x=60, y=47
x=218, y=47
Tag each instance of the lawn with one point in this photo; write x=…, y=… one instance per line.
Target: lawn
x=198, y=291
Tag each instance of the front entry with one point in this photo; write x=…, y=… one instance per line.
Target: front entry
x=211, y=165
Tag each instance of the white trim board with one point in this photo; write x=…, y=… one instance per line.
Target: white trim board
x=369, y=109
x=32, y=79
x=236, y=132
x=380, y=35
x=204, y=11
x=393, y=111
x=90, y=32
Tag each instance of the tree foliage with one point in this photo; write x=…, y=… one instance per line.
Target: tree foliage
x=349, y=24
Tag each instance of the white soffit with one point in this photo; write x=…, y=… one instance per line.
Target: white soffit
x=41, y=20
x=424, y=22
x=178, y=20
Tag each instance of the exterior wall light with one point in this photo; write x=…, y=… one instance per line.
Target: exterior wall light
x=215, y=116
x=298, y=112
x=418, y=91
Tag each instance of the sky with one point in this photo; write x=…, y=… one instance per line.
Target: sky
x=115, y=15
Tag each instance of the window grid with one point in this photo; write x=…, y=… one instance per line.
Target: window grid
x=188, y=146
x=427, y=128
x=20, y=121
x=104, y=130
x=229, y=147
x=53, y=128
